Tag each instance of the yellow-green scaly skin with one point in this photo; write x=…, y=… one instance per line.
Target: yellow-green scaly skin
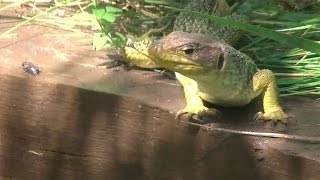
x=136, y=52
x=211, y=70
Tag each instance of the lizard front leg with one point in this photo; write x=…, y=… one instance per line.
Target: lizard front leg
x=264, y=82
x=195, y=107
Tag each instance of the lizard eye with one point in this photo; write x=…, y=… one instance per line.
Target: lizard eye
x=188, y=49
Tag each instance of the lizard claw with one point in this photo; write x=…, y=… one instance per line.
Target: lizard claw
x=198, y=114
x=274, y=116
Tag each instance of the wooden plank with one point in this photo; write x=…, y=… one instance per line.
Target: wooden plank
x=50, y=131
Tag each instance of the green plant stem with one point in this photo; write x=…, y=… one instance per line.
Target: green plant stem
x=11, y=5
x=60, y=25
x=32, y=18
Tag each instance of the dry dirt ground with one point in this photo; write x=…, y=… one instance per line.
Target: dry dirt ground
x=78, y=120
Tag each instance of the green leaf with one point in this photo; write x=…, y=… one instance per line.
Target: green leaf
x=100, y=40
x=109, y=18
x=264, y=32
x=294, y=16
x=113, y=10
x=312, y=21
x=107, y=14
x=98, y=12
x=119, y=40
x=166, y=2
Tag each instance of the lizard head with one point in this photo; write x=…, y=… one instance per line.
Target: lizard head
x=189, y=53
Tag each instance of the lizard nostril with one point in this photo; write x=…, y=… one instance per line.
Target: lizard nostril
x=152, y=48
x=220, y=61
x=156, y=48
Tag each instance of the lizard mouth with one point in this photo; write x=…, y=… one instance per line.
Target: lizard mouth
x=183, y=67
x=178, y=64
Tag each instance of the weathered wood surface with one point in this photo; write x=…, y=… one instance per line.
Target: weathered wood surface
x=50, y=131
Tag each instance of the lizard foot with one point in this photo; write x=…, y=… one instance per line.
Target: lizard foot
x=274, y=116
x=199, y=113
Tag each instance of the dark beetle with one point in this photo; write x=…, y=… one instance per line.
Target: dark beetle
x=30, y=68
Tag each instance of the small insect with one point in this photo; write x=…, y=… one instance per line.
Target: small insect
x=30, y=68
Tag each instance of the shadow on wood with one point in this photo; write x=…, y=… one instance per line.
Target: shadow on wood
x=51, y=131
